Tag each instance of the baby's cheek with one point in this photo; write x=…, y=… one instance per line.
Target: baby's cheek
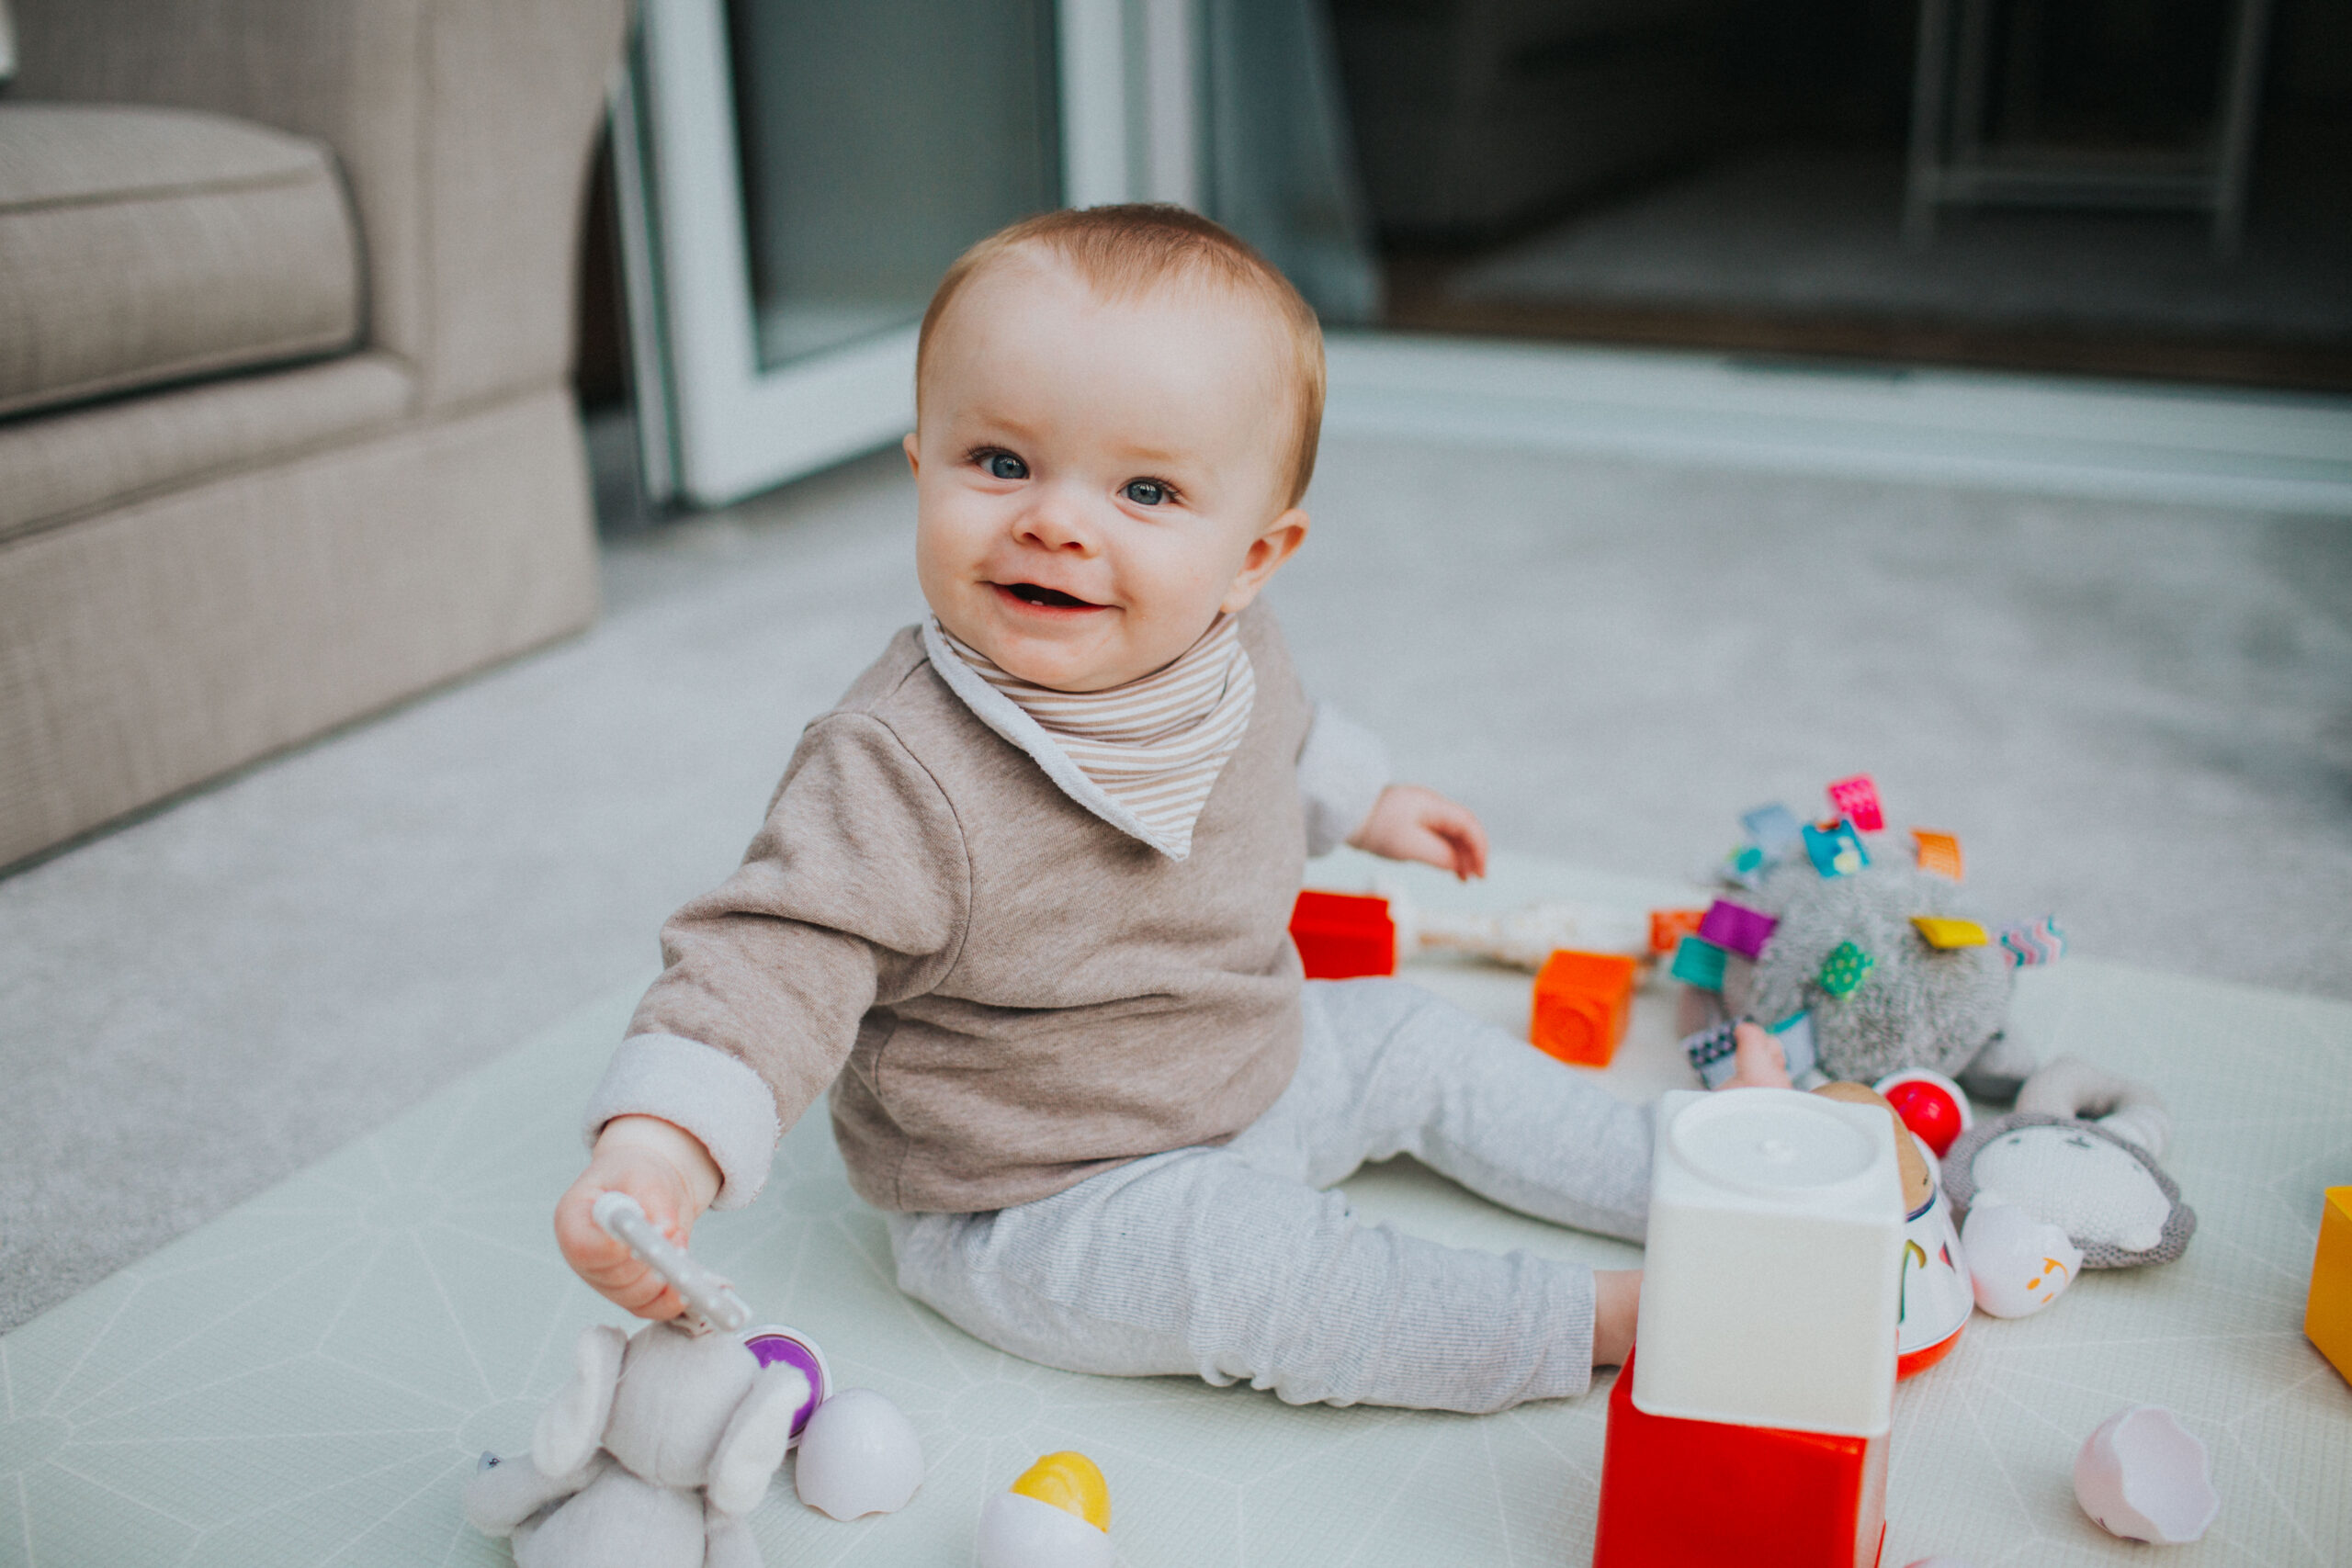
x=1173, y=579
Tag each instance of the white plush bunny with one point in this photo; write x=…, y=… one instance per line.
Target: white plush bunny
x=649, y=1458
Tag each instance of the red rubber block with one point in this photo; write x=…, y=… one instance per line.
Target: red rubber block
x=1677, y=1493
x=1343, y=935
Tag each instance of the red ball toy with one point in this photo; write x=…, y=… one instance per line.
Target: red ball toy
x=1930, y=1105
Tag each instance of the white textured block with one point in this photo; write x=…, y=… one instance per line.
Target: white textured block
x=1774, y=1271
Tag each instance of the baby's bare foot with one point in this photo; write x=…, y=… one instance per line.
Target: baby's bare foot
x=1758, y=1060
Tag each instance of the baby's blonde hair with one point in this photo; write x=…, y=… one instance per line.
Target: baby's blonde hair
x=1124, y=251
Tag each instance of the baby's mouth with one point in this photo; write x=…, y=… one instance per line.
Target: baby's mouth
x=1053, y=598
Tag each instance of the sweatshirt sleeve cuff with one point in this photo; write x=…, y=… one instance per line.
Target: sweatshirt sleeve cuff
x=1341, y=771
x=709, y=1093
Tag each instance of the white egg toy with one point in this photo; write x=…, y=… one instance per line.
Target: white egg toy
x=2017, y=1264
x=859, y=1455
x=2144, y=1476
x=1056, y=1516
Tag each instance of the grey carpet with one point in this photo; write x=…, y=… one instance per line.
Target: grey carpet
x=1817, y=230
x=2138, y=716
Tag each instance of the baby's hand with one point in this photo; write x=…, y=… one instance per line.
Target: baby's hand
x=672, y=1177
x=1411, y=823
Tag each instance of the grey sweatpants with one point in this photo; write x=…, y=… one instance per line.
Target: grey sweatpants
x=1234, y=1263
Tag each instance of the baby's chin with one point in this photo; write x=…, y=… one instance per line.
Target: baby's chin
x=1082, y=660
x=1069, y=674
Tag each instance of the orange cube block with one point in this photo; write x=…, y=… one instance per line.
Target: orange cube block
x=2327, y=1314
x=1341, y=936
x=1668, y=927
x=1583, y=1002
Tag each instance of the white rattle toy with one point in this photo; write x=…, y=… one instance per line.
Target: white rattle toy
x=660, y=1443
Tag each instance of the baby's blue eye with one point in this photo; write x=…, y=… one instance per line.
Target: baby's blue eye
x=1146, y=492
x=1005, y=466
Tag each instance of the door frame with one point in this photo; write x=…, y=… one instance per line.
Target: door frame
x=715, y=425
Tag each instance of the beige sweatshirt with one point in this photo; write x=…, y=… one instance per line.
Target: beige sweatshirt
x=1005, y=990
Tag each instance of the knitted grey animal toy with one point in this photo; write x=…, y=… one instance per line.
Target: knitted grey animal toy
x=2080, y=1153
x=1919, y=1006
x=649, y=1458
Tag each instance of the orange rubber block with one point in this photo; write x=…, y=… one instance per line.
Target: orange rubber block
x=1583, y=1002
x=1342, y=936
x=2327, y=1320
x=1683, y=1493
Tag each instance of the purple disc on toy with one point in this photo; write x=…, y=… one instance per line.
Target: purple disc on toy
x=770, y=1344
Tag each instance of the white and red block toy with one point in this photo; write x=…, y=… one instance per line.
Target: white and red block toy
x=1752, y=1426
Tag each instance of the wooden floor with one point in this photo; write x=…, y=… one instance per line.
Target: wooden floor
x=2299, y=192
x=1417, y=302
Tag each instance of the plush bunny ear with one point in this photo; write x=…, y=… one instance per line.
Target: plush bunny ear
x=572, y=1425
x=754, y=1444
x=2129, y=1108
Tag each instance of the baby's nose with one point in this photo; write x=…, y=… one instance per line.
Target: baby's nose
x=1058, y=524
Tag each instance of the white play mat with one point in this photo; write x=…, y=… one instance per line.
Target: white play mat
x=308, y=1378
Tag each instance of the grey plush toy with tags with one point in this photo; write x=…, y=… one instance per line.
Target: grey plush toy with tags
x=649, y=1458
x=1945, y=1009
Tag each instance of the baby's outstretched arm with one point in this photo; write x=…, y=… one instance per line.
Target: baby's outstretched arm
x=672, y=1178
x=1411, y=823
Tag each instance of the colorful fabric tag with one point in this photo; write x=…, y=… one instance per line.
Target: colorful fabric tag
x=1843, y=971
x=1773, y=828
x=1944, y=933
x=1668, y=927
x=1745, y=865
x=1938, y=853
x=1710, y=1051
x=1836, y=850
x=2033, y=943
x=1700, y=963
x=1856, y=799
x=1736, y=927
x=1797, y=1049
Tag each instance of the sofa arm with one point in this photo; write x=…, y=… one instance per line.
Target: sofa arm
x=463, y=126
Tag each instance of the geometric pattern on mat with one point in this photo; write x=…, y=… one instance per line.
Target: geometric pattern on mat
x=308, y=1378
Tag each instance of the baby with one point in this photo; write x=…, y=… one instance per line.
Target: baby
x=1021, y=900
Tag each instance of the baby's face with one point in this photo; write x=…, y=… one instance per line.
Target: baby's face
x=1096, y=480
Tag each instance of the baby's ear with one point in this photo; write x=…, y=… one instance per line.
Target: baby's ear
x=1276, y=545
x=572, y=1425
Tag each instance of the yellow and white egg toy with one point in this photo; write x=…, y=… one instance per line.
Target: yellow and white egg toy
x=1056, y=1516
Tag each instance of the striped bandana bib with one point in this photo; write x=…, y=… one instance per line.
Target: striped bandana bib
x=1153, y=747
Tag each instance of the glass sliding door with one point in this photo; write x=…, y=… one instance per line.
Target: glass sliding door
x=801, y=171
x=875, y=141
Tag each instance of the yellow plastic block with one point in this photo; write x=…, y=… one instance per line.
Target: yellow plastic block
x=1941, y=931
x=2328, y=1320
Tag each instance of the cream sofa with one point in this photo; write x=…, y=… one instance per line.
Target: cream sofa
x=285, y=296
